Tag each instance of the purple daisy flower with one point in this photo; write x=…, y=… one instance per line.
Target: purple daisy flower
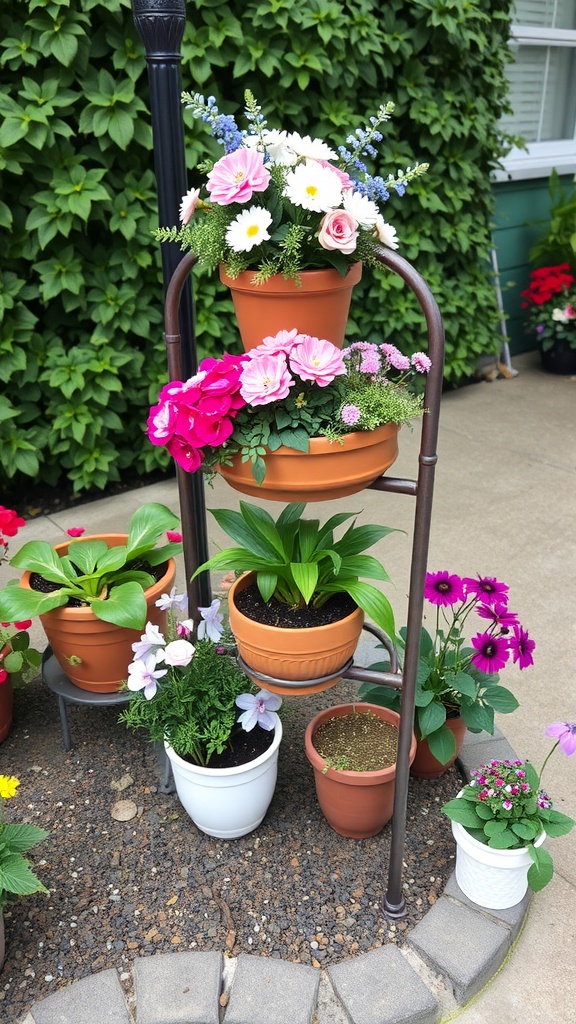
x=421, y=362
x=492, y=652
x=443, y=589
x=498, y=614
x=487, y=588
x=522, y=646
x=565, y=732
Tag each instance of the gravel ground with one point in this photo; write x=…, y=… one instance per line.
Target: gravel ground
x=121, y=889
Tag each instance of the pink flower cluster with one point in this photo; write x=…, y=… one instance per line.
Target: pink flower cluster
x=373, y=359
x=198, y=413
x=489, y=598
x=502, y=785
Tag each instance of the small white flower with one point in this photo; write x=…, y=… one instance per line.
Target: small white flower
x=386, y=233
x=260, y=709
x=276, y=145
x=189, y=204
x=313, y=187
x=149, y=642
x=179, y=653
x=249, y=229
x=211, y=624
x=362, y=209
x=313, y=149
x=560, y=316
x=172, y=600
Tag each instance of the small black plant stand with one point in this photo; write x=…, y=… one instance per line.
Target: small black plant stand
x=421, y=489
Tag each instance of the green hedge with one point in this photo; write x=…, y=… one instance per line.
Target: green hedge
x=81, y=350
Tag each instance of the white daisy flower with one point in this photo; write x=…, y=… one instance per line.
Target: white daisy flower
x=276, y=146
x=386, y=233
x=249, y=229
x=312, y=149
x=362, y=209
x=313, y=187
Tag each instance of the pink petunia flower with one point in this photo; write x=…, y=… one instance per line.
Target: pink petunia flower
x=492, y=652
x=236, y=176
x=76, y=531
x=265, y=380
x=173, y=536
x=317, y=360
x=442, y=589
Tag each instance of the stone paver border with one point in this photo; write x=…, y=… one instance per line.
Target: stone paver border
x=448, y=958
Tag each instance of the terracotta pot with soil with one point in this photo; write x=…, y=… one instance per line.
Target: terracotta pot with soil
x=352, y=749
x=318, y=305
x=425, y=765
x=303, y=650
x=93, y=653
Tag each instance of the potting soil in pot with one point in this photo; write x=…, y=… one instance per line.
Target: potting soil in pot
x=359, y=742
x=274, y=613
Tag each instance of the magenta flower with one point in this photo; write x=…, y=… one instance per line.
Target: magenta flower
x=173, y=536
x=443, y=589
x=317, y=360
x=421, y=362
x=350, y=415
x=184, y=454
x=76, y=531
x=565, y=732
x=265, y=380
x=498, y=614
x=162, y=422
x=507, y=805
x=487, y=588
x=492, y=652
x=522, y=646
x=236, y=176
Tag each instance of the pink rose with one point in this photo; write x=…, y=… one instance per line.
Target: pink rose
x=265, y=380
x=317, y=360
x=236, y=176
x=339, y=230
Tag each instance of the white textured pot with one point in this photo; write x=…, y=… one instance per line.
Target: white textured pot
x=494, y=879
x=227, y=802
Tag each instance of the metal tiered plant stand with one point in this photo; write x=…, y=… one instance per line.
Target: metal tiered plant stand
x=421, y=489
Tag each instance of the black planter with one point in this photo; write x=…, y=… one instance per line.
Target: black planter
x=561, y=358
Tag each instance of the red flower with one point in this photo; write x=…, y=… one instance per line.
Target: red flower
x=3, y=675
x=24, y=624
x=10, y=522
x=76, y=531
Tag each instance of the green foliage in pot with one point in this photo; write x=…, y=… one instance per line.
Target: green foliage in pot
x=299, y=562
x=16, y=876
x=505, y=807
x=110, y=580
x=557, y=244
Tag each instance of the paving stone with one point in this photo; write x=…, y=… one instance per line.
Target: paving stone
x=95, y=1000
x=381, y=987
x=472, y=755
x=267, y=991
x=513, y=917
x=462, y=945
x=178, y=988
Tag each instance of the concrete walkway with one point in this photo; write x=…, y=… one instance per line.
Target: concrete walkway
x=504, y=505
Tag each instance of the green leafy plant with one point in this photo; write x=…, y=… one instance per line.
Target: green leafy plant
x=557, y=244
x=110, y=580
x=18, y=661
x=189, y=695
x=453, y=678
x=16, y=875
x=299, y=562
x=505, y=807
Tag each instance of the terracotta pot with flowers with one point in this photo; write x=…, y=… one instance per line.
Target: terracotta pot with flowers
x=16, y=875
x=288, y=219
x=551, y=303
x=500, y=822
x=296, y=419
x=93, y=594
x=220, y=733
x=298, y=609
x=457, y=685
x=18, y=661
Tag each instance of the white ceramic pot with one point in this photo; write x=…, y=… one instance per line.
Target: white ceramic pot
x=494, y=879
x=227, y=802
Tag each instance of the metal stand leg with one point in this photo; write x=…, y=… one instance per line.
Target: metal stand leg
x=167, y=784
x=64, y=721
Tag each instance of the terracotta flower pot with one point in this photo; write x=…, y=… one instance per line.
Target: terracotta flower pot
x=425, y=765
x=355, y=804
x=293, y=655
x=6, y=700
x=329, y=470
x=104, y=650
x=319, y=306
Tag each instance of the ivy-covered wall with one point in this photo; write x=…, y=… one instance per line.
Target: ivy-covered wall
x=81, y=349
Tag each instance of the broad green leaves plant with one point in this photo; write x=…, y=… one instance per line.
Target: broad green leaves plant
x=16, y=875
x=110, y=580
x=299, y=562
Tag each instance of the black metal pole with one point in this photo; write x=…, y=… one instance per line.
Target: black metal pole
x=160, y=24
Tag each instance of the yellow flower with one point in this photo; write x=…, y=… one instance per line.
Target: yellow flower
x=8, y=786
x=300, y=401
